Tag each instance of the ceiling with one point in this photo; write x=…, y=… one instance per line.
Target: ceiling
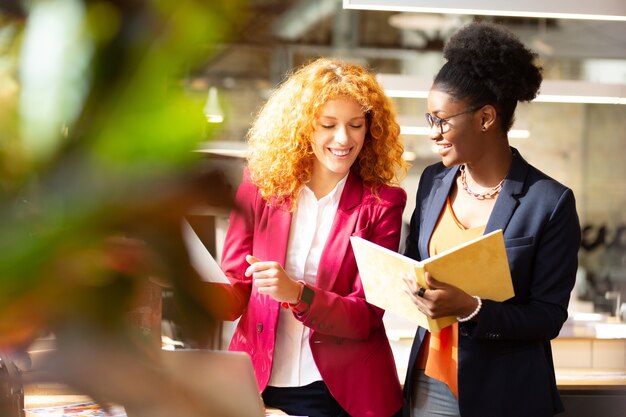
x=273, y=36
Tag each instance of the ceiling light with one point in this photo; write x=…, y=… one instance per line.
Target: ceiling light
x=566, y=91
x=301, y=17
x=552, y=91
x=563, y=9
x=229, y=148
x=212, y=109
x=426, y=22
x=413, y=130
x=409, y=156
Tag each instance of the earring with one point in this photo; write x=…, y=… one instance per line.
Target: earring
x=484, y=129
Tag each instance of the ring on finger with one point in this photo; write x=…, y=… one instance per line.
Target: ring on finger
x=421, y=292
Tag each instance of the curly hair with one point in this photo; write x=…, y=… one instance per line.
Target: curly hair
x=488, y=64
x=280, y=152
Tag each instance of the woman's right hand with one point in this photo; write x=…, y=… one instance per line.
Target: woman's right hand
x=439, y=299
x=270, y=278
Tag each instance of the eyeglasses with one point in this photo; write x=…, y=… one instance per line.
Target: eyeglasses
x=443, y=124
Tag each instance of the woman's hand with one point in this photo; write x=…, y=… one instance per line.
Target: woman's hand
x=270, y=278
x=440, y=299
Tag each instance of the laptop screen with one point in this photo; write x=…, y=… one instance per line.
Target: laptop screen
x=224, y=380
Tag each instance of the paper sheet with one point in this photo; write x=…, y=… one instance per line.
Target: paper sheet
x=200, y=258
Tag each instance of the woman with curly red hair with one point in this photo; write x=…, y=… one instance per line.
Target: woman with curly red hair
x=323, y=164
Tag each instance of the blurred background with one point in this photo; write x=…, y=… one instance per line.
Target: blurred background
x=121, y=118
x=574, y=130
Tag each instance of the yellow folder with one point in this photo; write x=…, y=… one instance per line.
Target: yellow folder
x=478, y=267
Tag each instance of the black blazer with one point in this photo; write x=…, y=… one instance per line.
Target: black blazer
x=505, y=361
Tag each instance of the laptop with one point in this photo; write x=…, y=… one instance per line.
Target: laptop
x=224, y=379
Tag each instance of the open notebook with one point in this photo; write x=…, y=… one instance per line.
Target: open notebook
x=479, y=267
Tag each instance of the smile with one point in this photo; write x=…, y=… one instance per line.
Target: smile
x=339, y=152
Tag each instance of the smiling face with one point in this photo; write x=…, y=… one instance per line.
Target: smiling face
x=462, y=142
x=338, y=137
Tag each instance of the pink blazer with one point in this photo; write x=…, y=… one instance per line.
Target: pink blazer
x=347, y=337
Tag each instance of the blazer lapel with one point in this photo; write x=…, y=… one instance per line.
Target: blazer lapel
x=507, y=201
x=277, y=234
x=340, y=232
x=442, y=183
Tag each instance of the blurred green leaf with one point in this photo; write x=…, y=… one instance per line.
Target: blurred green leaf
x=123, y=166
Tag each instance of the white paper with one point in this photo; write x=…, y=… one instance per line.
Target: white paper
x=200, y=258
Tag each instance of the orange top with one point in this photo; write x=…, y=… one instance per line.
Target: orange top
x=440, y=359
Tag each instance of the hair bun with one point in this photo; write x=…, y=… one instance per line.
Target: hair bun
x=498, y=58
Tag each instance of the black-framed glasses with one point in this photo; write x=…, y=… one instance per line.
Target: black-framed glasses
x=443, y=124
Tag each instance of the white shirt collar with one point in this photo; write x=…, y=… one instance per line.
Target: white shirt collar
x=334, y=195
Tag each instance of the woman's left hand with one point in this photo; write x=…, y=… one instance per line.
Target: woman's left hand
x=270, y=278
x=440, y=299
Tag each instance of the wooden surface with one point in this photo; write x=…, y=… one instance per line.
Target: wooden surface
x=46, y=400
x=573, y=378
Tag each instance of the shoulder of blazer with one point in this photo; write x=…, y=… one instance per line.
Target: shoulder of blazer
x=386, y=195
x=431, y=173
x=525, y=178
x=358, y=192
x=249, y=191
x=436, y=171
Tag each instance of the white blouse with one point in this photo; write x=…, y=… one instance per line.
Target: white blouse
x=293, y=364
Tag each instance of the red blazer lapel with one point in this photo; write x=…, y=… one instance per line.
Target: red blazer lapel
x=339, y=237
x=276, y=234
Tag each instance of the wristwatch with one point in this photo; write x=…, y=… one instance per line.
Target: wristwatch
x=307, y=294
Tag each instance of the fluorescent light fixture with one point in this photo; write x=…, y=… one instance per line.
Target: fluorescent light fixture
x=408, y=130
x=550, y=98
x=212, y=109
x=302, y=16
x=518, y=134
x=614, y=10
x=410, y=93
x=564, y=91
x=405, y=86
x=414, y=130
x=233, y=149
x=233, y=153
x=552, y=91
x=409, y=156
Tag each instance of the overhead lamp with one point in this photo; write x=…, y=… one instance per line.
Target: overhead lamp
x=552, y=91
x=302, y=16
x=614, y=10
x=410, y=126
x=233, y=149
x=409, y=156
x=405, y=86
x=565, y=91
x=212, y=109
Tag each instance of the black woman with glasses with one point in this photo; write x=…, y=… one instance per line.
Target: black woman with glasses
x=496, y=359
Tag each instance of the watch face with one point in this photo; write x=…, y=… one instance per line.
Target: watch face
x=307, y=295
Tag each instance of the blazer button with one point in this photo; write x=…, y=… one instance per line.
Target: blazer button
x=259, y=327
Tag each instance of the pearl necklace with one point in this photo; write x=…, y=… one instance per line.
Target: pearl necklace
x=479, y=196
